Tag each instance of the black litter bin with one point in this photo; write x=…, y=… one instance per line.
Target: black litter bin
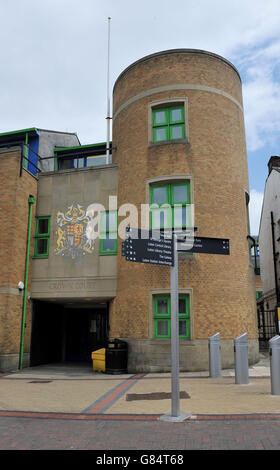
x=116, y=357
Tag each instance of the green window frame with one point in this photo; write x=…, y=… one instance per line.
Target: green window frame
x=162, y=316
x=168, y=123
x=173, y=205
x=108, y=233
x=42, y=237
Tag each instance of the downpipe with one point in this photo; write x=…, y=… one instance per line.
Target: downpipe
x=31, y=201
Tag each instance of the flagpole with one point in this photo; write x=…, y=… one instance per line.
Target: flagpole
x=108, y=96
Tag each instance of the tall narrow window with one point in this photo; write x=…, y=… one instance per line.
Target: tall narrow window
x=162, y=316
x=108, y=233
x=247, y=200
x=168, y=123
x=249, y=238
x=42, y=237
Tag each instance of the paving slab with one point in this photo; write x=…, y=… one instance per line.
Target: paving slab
x=68, y=396
x=57, y=388
x=207, y=396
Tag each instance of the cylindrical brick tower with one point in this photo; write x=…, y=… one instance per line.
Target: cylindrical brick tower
x=178, y=135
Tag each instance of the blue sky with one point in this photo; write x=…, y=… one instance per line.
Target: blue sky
x=259, y=67
x=54, y=62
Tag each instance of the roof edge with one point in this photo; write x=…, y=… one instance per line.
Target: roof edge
x=19, y=131
x=81, y=147
x=176, y=51
x=35, y=129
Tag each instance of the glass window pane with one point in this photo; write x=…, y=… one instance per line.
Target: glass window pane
x=161, y=218
x=182, y=328
x=156, y=219
x=160, y=117
x=176, y=115
x=160, y=195
x=108, y=222
x=108, y=245
x=162, y=306
x=180, y=193
x=176, y=132
x=43, y=226
x=42, y=246
x=182, y=306
x=162, y=327
x=180, y=217
x=108, y=235
x=65, y=163
x=111, y=221
x=160, y=134
x=95, y=161
x=78, y=162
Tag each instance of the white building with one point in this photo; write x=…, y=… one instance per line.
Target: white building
x=269, y=236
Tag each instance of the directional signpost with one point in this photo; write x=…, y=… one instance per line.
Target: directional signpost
x=217, y=246
x=153, y=249
x=142, y=246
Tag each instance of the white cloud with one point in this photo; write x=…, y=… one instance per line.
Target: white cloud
x=262, y=95
x=255, y=207
x=53, y=58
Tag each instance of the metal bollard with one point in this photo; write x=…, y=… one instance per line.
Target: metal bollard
x=241, y=360
x=214, y=355
x=274, y=352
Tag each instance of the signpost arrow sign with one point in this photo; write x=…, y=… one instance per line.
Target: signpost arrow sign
x=154, y=248
x=217, y=246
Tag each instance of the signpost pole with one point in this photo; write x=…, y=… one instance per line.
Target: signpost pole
x=175, y=414
x=150, y=250
x=175, y=409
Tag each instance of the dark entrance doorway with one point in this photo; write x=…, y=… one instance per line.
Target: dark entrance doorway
x=67, y=332
x=85, y=331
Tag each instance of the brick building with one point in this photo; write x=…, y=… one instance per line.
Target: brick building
x=178, y=138
x=20, y=165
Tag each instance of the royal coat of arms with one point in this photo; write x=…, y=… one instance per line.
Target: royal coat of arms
x=72, y=240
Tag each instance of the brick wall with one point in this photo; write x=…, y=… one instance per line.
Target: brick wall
x=14, y=193
x=223, y=286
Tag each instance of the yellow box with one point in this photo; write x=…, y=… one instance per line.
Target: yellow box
x=98, y=360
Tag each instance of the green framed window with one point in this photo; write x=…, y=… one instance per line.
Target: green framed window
x=162, y=316
x=42, y=237
x=108, y=233
x=170, y=205
x=168, y=123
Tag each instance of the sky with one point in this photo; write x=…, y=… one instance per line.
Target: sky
x=54, y=63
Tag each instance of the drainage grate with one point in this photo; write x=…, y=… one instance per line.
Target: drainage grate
x=40, y=382
x=153, y=396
